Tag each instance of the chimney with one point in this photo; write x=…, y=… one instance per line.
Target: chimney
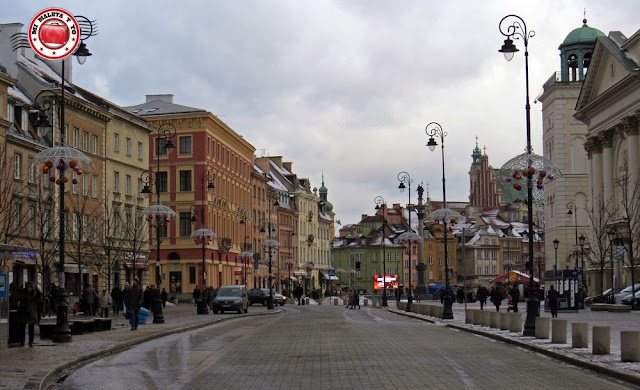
x=164, y=97
x=8, y=57
x=288, y=166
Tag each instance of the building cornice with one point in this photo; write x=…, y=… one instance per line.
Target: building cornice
x=607, y=98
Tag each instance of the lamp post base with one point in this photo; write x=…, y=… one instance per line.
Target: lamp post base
x=447, y=304
x=62, y=332
x=533, y=311
x=270, y=305
x=409, y=301
x=202, y=306
x=385, y=300
x=156, y=308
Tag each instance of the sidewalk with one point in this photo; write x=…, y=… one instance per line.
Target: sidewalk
x=606, y=364
x=32, y=368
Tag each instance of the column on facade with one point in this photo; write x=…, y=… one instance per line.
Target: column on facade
x=594, y=152
x=632, y=129
x=607, y=167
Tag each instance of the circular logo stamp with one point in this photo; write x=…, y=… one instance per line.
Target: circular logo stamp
x=54, y=33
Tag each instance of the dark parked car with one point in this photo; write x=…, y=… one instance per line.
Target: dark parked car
x=231, y=298
x=261, y=295
x=627, y=292
x=605, y=297
x=629, y=300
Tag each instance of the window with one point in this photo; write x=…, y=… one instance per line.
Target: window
x=95, y=233
x=85, y=141
x=94, y=144
x=185, y=224
x=85, y=185
x=116, y=142
x=94, y=186
x=430, y=275
x=162, y=231
x=17, y=166
x=161, y=146
x=430, y=260
x=440, y=262
x=162, y=181
x=76, y=137
x=127, y=185
x=185, y=145
x=374, y=256
x=479, y=270
x=397, y=256
x=128, y=146
x=74, y=226
x=185, y=180
x=32, y=170
x=116, y=182
x=192, y=275
x=75, y=183
x=140, y=151
x=46, y=222
x=84, y=227
x=139, y=190
x=388, y=256
x=17, y=213
x=32, y=220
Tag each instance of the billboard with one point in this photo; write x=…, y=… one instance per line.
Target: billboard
x=391, y=280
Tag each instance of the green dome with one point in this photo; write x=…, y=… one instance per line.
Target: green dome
x=328, y=207
x=584, y=34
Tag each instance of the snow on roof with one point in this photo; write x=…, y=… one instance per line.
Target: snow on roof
x=40, y=69
x=281, y=170
x=17, y=94
x=258, y=169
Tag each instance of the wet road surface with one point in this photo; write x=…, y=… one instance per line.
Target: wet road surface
x=329, y=347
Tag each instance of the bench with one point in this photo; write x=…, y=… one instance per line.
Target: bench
x=46, y=330
x=102, y=324
x=610, y=308
x=80, y=326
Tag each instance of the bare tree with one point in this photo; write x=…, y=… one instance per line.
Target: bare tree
x=12, y=201
x=600, y=218
x=628, y=220
x=84, y=218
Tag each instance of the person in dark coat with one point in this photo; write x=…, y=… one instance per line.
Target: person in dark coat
x=116, y=298
x=496, y=298
x=514, y=293
x=89, y=297
x=196, y=295
x=146, y=298
x=164, y=297
x=482, y=296
x=29, y=311
x=133, y=302
x=552, y=297
x=298, y=294
x=460, y=296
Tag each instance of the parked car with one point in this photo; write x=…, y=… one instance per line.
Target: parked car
x=629, y=300
x=605, y=297
x=627, y=291
x=231, y=298
x=261, y=295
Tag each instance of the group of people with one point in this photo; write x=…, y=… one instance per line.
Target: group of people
x=353, y=299
x=208, y=295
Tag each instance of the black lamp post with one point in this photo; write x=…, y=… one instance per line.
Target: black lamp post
x=409, y=236
x=245, y=255
x=556, y=243
x=434, y=129
x=158, y=215
x=268, y=226
x=514, y=26
x=62, y=158
x=203, y=236
x=611, y=234
x=381, y=203
x=583, y=290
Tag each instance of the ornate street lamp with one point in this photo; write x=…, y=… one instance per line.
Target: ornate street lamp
x=444, y=215
x=245, y=255
x=269, y=226
x=158, y=215
x=381, y=203
x=583, y=290
x=203, y=236
x=611, y=234
x=410, y=237
x=556, y=243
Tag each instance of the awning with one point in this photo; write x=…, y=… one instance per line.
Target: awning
x=293, y=278
x=72, y=268
x=300, y=273
x=332, y=277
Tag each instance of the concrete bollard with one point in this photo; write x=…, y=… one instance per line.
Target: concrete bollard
x=515, y=322
x=495, y=319
x=477, y=317
x=335, y=301
x=468, y=316
x=542, y=327
x=486, y=317
x=601, y=340
x=504, y=321
x=431, y=311
x=579, y=335
x=438, y=311
x=630, y=346
x=306, y=301
x=558, y=331
x=365, y=302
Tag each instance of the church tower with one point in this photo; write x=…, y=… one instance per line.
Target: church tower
x=483, y=182
x=563, y=143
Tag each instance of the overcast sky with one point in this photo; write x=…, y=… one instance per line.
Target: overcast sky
x=340, y=87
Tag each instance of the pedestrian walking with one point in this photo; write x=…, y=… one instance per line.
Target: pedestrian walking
x=496, y=297
x=133, y=302
x=298, y=294
x=482, y=296
x=196, y=295
x=514, y=293
x=116, y=298
x=124, y=297
x=350, y=300
x=29, y=311
x=105, y=303
x=89, y=297
x=356, y=299
x=552, y=297
x=164, y=297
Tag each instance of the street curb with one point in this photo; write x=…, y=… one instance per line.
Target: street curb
x=44, y=382
x=633, y=379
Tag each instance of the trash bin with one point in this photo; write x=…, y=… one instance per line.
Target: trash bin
x=142, y=316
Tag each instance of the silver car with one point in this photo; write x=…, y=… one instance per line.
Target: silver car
x=231, y=298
